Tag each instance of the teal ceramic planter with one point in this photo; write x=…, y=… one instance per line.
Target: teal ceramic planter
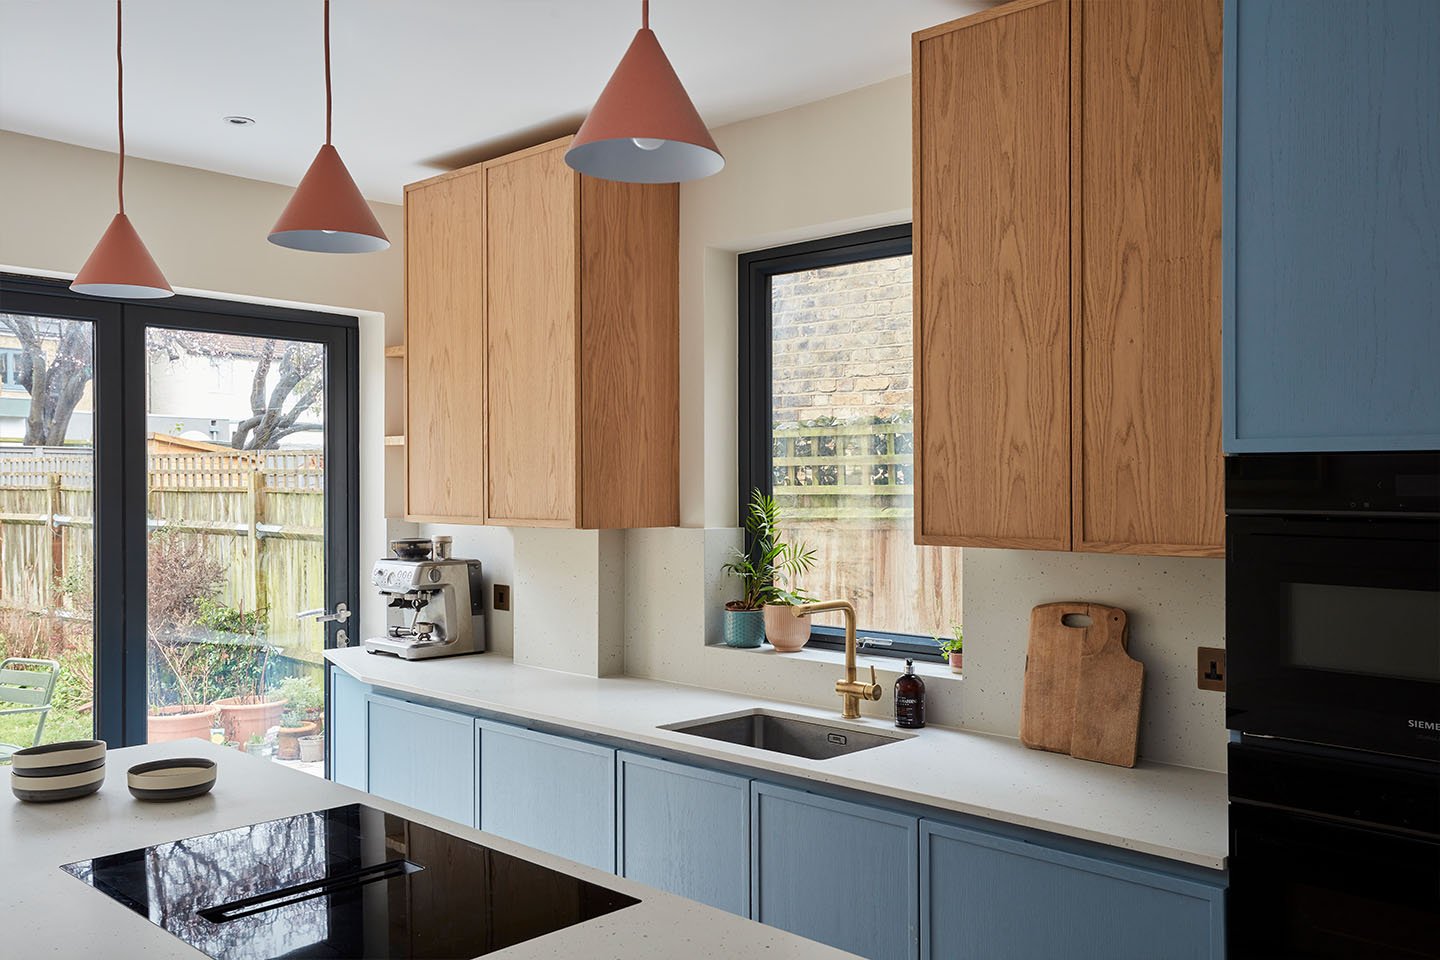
x=744, y=628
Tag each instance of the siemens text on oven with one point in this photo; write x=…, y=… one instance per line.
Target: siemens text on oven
x=1424, y=725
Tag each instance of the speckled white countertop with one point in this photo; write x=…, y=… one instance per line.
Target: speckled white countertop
x=50, y=915
x=1174, y=812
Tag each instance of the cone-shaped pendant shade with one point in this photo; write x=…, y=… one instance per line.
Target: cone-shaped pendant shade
x=327, y=214
x=120, y=266
x=644, y=129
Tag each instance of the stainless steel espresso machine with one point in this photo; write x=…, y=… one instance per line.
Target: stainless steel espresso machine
x=438, y=598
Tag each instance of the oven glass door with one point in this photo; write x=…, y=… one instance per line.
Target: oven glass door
x=1333, y=631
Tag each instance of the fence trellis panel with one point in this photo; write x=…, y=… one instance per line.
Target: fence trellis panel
x=260, y=513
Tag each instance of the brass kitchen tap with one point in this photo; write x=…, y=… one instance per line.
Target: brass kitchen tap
x=851, y=689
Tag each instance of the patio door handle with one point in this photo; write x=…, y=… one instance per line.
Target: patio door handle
x=341, y=614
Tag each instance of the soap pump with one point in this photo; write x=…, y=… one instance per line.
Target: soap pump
x=909, y=699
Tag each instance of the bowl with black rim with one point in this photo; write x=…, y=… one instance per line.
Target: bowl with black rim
x=58, y=771
x=175, y=778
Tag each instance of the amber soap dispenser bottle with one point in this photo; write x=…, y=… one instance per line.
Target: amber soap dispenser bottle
x=909, y=699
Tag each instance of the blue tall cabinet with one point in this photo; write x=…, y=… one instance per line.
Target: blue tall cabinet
x=1332, y=225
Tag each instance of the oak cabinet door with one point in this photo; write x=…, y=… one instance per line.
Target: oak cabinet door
x=532, y=332
x=444, y=349
x=1148, y=468
x=992, y=327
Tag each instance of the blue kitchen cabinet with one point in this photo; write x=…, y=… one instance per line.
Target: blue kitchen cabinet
x=423, y=757
x=347, y=729
x=686, y=830
x=994, y=897
x=548, y=792
x=842, y=873
x=1332, y=225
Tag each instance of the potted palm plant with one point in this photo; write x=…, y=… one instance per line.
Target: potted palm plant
x=769, y=570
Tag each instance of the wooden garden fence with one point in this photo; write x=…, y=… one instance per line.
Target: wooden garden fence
x=844, y=471
x=260, y=514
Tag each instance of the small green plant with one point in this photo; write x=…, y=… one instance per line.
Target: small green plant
x=957, y=645
x=255, y=740
x=292, y=718
x=770, y=569
x=302, y=695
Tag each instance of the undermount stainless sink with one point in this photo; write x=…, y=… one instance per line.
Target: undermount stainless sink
x=781, y=733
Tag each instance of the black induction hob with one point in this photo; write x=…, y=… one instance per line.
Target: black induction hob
x=351, y=881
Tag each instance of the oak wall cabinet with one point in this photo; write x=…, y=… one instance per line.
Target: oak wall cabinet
x=1067, y=225
x=543, y=346
x=1332, y=200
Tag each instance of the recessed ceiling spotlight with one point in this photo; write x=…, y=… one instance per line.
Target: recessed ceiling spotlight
x=239, y=121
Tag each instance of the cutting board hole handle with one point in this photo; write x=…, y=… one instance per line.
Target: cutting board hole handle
x=1077, y=620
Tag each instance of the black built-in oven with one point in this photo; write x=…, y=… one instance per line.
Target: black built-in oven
x=1333, y=599
x=1333, y=854
x=1333, y=640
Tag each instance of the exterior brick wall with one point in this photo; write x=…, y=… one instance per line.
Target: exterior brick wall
x=842, y=341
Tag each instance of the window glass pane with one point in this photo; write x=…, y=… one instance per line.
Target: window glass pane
x=842, y=411
x=47, y=530
x=235, y=445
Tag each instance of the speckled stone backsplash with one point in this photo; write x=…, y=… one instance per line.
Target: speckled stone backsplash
x=674, y=593
x=1174, y=605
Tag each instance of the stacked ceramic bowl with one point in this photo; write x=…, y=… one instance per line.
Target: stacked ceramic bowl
x=58, y=771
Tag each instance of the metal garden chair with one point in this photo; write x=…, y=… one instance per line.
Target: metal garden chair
x=29, y=683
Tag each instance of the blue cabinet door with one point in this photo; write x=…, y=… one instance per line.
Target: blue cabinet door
x=990, y=898
x=841, y=873
x=1332, y=225
x=685, y=830
x=547, y=792
x=347, y=730
x=422, y=757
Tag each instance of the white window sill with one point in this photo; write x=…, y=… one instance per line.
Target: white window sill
x=887, y=664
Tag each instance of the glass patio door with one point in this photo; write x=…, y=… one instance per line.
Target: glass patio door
x=189, y=472
x=48, y=426
x=238, y=473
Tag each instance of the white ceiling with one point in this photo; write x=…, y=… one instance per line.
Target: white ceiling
x=420, y=85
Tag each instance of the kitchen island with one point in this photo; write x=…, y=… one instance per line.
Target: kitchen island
x=50, y=913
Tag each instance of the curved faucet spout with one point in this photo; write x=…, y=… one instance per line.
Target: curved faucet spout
x=851, y=689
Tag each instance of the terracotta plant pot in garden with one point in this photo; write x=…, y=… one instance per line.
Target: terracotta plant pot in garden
x=243, y=717
x=288, y=745
x=182, y=722
x=785, y=631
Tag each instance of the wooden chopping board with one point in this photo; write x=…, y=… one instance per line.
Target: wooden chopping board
x=1052, y=671
x=1107, y=693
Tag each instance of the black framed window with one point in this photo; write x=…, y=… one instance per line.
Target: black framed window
x=826, y=427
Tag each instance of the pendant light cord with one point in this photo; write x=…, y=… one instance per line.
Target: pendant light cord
x=644, y=14
x=120, y=110
x=327, y=72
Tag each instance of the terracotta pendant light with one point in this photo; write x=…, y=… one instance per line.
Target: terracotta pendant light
x=327, y=214
x=120, y=266
x=644, y=129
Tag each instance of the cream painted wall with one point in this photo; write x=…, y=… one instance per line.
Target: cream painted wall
x=207, y=231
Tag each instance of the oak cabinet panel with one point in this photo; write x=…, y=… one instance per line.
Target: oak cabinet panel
x=1067, y=333
x=531, y=327
x=445, y=348
x=1148, y=468
x=992, y=318
x=543, y=347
